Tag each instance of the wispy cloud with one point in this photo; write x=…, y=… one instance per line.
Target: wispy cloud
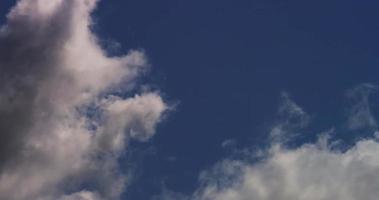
x=360, y=115
x=291, y=118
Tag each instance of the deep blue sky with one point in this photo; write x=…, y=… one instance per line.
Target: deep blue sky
x=225, y=62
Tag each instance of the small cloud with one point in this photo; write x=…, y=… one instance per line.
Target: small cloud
x=291, y=118
x=359, y=113
x=228, y=143
x=376, y=134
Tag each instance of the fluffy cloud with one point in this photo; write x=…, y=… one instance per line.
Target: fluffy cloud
x=318, y=171
x=62, y=129
x=310, y=172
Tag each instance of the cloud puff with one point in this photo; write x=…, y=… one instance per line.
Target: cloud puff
x=318, y=171
x=62, y=128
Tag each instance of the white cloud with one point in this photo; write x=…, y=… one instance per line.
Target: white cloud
x=136, y=116
x=318, y=171
x=82, y=195
x=309, y=172
x=53, y=72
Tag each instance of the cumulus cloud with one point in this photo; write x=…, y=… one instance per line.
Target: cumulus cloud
x=62, y=126
x=309, y=172
x=312, y=171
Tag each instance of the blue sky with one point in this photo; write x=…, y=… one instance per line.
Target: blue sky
x=228, y=66
x=227, y=62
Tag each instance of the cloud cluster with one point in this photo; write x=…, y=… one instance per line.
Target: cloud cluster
x=310, y=172
x=314, y=171
x=62, y=127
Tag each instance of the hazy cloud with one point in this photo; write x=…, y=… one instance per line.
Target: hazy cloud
x=359, y=114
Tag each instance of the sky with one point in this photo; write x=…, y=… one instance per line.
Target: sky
x=189, y=100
